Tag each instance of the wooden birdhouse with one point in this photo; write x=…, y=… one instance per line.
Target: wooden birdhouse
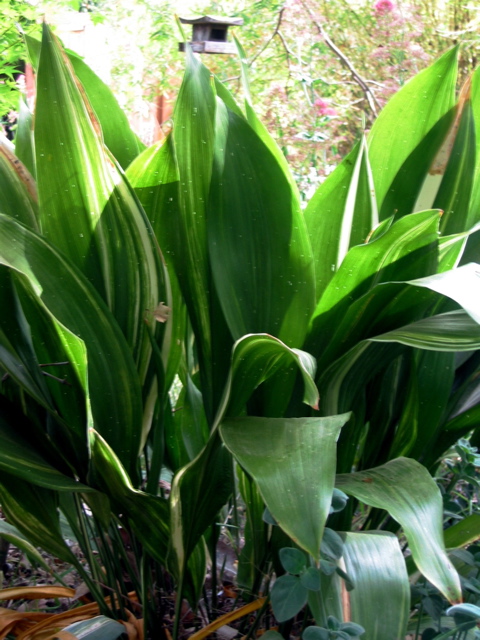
x=209, y=34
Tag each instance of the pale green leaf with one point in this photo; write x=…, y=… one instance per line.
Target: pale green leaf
x=293, y=463
x=380, y=601
x=410, y=495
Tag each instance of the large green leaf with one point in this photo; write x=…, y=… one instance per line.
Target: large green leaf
x=33, y=511
x=341, y=214
x=407, y=118
x=254, y=121
x=18, y=193
x=17, y=354
x=202, y=487
x=463, y=533
x=430, y=384
x=293, y=462
x=472, y=247
x=184, y=233
x=82, y=317
x=416, y=183
x=24, y=141
x=83, y=196
x=410, y=495
x=380, y=599
x=154, y=176
x=259, y=249
x=12, y=534
x=148, y=515
x=453, y=165
x=20, y=459
x=390, y=305
x=406, y=250
x=453, y=331
x=116, y=131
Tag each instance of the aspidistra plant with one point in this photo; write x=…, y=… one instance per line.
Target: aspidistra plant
x=309, y=345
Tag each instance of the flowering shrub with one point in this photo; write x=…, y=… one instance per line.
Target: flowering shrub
x=384, y=6
x=323, y=108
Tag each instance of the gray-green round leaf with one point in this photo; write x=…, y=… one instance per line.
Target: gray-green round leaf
x=293, y=560
x=339, y=501
x=311, y=579
x=315, y=633
x=353, y=629
x=288, y=597
x=332, y=545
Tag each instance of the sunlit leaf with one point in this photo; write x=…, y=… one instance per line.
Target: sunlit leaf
x=408, y=117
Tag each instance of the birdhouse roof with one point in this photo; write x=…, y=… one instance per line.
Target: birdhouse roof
x=213, y=20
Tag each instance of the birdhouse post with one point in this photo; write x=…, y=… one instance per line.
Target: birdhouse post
x=209, y=34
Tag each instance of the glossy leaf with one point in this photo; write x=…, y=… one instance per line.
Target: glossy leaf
x=116, y=131
x=111, y=370
x=293, y=462
x=184, y=222
x=33, y=511
x=380, y=601
x=83, y=196
x=407, y=249
x=18, y=458
x=262, y=263
x=148, y=515
x=202, y=487
x=154, y=176
x=12, y=534
x=341, y=214
x=409, y=493
x=453, y=331
x=453, y=165
x=463, y=533
x=408, y=117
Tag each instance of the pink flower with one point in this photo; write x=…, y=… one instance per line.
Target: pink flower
x=323, y=108
x=384, y=6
